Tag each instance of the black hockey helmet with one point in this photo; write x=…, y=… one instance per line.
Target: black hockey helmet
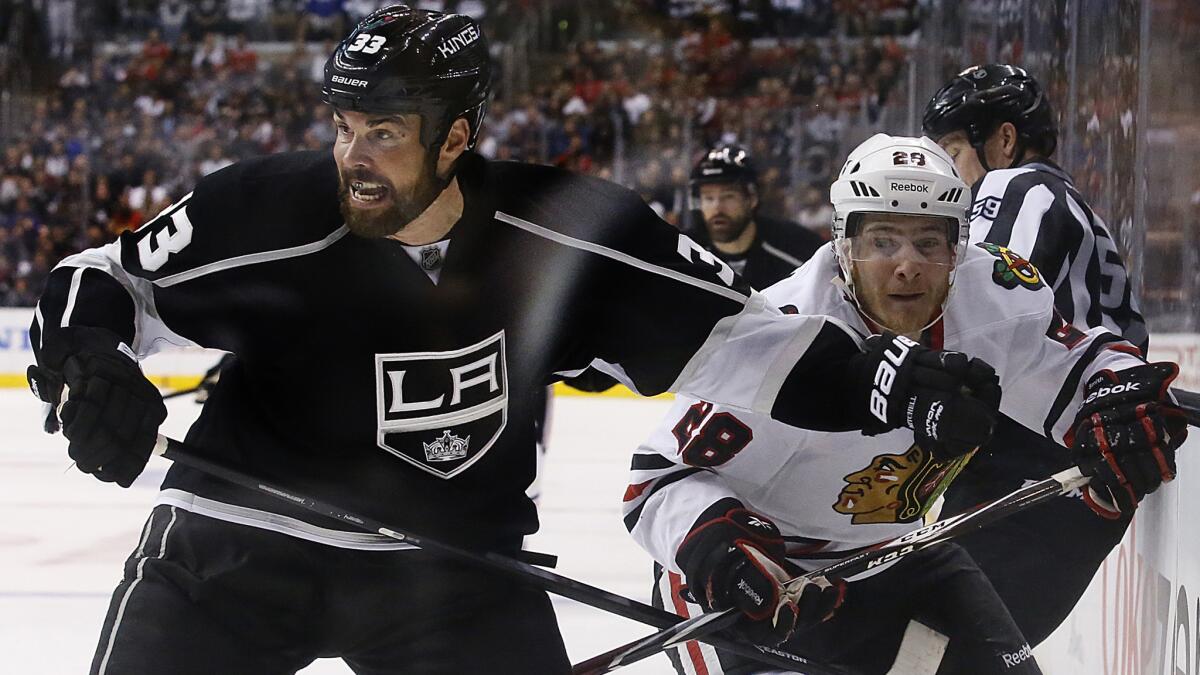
x=403, y=60
x=981, y=98
x=724, y=164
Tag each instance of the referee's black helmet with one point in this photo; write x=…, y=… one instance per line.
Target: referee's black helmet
x=981, y=98
x=404, y=60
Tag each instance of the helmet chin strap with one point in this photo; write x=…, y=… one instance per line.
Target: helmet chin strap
x=1018, y=156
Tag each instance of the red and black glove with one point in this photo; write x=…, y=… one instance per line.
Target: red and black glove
x=735, y=558
x=112, y=412
x=1125, y=436
x=949, y=400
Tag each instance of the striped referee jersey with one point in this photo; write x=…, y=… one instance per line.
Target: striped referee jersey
x=1035, y=210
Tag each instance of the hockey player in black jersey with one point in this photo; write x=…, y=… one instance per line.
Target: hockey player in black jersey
x=394, y=306
x=763, y=250
x=997, y=124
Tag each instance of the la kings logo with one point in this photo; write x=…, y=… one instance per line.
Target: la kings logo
x=442, y=411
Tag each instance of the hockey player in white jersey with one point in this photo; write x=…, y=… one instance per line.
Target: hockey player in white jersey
x=736, y=502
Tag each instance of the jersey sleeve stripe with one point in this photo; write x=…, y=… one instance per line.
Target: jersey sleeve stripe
x=72, y=296
x=781, y=255
x=619, y=256
x=253, y=259
x=650, y=462
x=635, y=513
x=1071, y=385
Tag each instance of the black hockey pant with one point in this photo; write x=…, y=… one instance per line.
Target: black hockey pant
x=940, y=587
x=203, y=596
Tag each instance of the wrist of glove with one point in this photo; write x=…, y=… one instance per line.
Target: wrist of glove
x=950, y=401
x=1125, y=436
x=112, y=412
x=734, y=558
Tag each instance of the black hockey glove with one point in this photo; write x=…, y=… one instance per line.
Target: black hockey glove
x=735, y=558
x=1125, y=436
x=948, y=399
x=112, y=412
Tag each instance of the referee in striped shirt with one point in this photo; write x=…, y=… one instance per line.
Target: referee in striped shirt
x=997, y=125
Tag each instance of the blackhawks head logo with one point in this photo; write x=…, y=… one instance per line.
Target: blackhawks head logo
x=1011, y=270
x=897, y=488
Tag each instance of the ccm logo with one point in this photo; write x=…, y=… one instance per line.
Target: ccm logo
x=350, y=81
x=909, y=187
x=885, y=375
x=1117, y=389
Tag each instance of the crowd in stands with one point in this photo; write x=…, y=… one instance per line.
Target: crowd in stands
x=127, y=123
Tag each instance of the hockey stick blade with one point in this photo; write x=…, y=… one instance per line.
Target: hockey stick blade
x=882, y=553
x=534, y=576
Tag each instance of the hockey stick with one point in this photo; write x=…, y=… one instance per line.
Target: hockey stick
x=544, y=579
x=183, y=392
x=881, y=553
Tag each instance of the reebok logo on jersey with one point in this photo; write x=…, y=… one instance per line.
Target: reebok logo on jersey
x=1012, y=659
x=442, y=411
x=1116, y=389
x=348, y=81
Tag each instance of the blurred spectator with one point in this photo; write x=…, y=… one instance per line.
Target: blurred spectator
x=323, y=19
x=214, y=160
x=242, y=58
x=174, y=90
x=172, y=17
x=205, y=16
x=815, y=212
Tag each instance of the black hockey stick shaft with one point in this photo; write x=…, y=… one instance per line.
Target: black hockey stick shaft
x=879, y=554
x=544, y=579
x=183, y=392
x=1189, y=402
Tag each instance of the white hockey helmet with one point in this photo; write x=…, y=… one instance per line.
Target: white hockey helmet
x=898, y=175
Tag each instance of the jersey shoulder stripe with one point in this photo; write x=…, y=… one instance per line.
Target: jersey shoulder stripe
x=768, y=248
x=620, y=256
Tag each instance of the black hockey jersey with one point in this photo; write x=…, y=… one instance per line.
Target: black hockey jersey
x=360, y=381
x=779, y=247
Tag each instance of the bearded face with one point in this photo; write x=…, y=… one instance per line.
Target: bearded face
x=386, y=177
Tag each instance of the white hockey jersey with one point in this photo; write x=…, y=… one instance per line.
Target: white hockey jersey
x=832, y=493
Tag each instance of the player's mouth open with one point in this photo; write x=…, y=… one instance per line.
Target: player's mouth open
x=367, y=193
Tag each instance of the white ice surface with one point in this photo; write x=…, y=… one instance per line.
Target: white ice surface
x=64, y=535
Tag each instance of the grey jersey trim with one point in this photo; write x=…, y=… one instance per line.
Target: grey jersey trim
x=781, y=255
x=614, y=254
x=265, y=520
x=253, y=259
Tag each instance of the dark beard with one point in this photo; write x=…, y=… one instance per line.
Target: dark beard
x=405, y=208
x=737, y=227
